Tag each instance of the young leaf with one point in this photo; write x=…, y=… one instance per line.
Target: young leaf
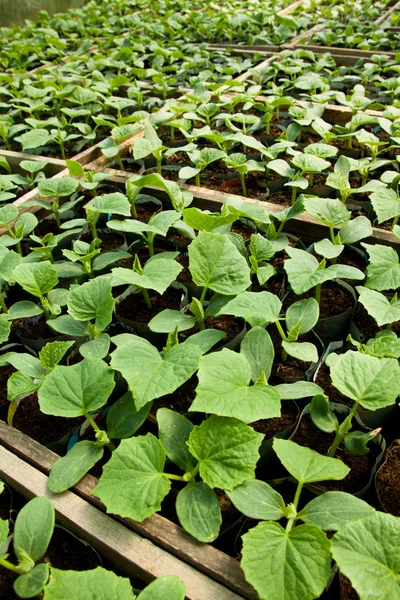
x=123, y=420
x=170, y=587
x=77, y=390
x=32, y=583
x=133, y=483
x=92, y=300
x=103, y=585
x=52, y=353
x=383, y=271
x=371, y=381
x=168, y=320
x=258, y=500
x=367, y=552
x=305, y=312
x=378, y=306
x=36, y=278
x=297, y=390
x=33, y=529
x=257, y=308
x=302, y=570
x=157, y=274
x=386, y=204
x=69, y=469
x=258, y=349
x=115, y=203
x=150, y=376
x=227, y=451
x=333, y=510
x=173, y=432
x=355, y=230
x=306, y=465
x=304, y=351
x=224, y=389
x=216, y=263
x=321, y=414
x=199, y=512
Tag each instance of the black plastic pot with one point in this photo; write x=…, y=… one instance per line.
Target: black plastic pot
x=336, y=328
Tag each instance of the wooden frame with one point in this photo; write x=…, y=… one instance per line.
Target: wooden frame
x=129, y=552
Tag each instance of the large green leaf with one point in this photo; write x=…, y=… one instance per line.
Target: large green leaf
x=330, y=211
x=368, y=553
x=386, y=203
x=283, y=565
x=96, y=584
x=306, y=465
x=133, y=483
x=150, y=376
x=224, y=389
x=157, y=274
x=371, y=381
x=33, y=529
x=199, y=512
x=333, y=510
x=58, y=186
x=378, y=306
x=305, y=312
x=257, y=308
x=115, y=203
x=227, y=451
x=123, y=420
x=36, y=278
x=216, y=263
x=69, y=469
x=383, y=271
x=355, y=230
x=258, y=500
x=77, y=390
x=92, y=300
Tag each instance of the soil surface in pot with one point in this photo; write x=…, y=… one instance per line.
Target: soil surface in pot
x=270, y=427
x=367, y=325
x=45, y=429
x=388, y=481
x=134, y=308
x=291, y=368
x=35, y=328
x=273, y=285
x=180, y=401
x=335, y=299
x=347, y=592
x=5, y=374
x=309, y=436
x=109, y=241
x=231, y=326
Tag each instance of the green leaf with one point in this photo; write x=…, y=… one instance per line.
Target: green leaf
x=203, y=221
x=77, y=390
x=306, y=465
x=170, y=587
x=33, y=139
x=257, y=308
x=33, y=529
x=216, y=263
x=36, y=278
x=371, y=381
x=75, y=168
x=383, y=271
x=258, y=349
x=328, y=250
x=304, y=351
x=258, y=500
x=367, y=552
x=310, y=163
x=4, y=527
x=8, y=213
x=297, y=390
x=333, y=510
x=31, y=584
x=92, y=300
x=386, y=204
x=96, y=584
x=173, y=432
x=157, y=274
x=355, y=230
x=321, y=414
x=206, y=339
x=26, y=363
x=199, y=512
x=23, y=309
x=69, y=326
x=19, y=385
x=123, y=420
x=133, y=483
x=281, y=167
x=5, y=328
x=284, y=565
x=305, y=312
x=52, y=353
x=168, y=320
x=115, y=204
x=8, y=261
x=97, y=348
x=69, y=469
x=224, y=389
x=378, y=306
x=150, y=376
x=330, y=211
x=227, y=451
x=58, y=186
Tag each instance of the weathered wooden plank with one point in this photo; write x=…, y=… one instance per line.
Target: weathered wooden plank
x=387, y=14
x=14, y=159
x=127, y=551
x=164, y=533
x=338, y=50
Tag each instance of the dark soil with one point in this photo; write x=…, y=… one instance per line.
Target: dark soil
x=273, y=285
x=292, y=368
x=270, y=427
x=388, y=481
x=5, y=374
x=45, y=429
x=109, y=241
x=367, y=325
x=146, y=210
x=181, y=400
x=335, y=299
x=347, y=592
x=35, y=328
x=230, y=325
x=46, y=226
x=245, y=231
x=309, y=436
x=184, y=276
x=134, y=308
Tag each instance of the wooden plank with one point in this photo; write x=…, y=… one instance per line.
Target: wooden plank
x=128, y=552
x=290, y=8
x=53, y=167
x=353, y=52
x=387, y=14
x=214, y=563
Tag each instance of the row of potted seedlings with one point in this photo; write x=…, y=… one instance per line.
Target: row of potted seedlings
x=178, y=347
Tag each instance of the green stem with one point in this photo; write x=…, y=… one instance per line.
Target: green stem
x=338, y=437
x=152, y=419
x=3, y=305
x=292, y=520
x=279, y=231
x=197, y=180
x=159, y=160
x=146, y=298
x=203, y=295
x=294, y=193
x=5, y=563
x=192, y=476
x=280, y=329
x=242, y=181
x=332, y=234
x=395, y=222
x=119, y=161
x=92, y=422
x=175, y=477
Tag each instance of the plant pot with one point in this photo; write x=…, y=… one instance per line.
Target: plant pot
x=342, y=410
x=142, y=329
x=335, y=328
x=38, y=344
x=387, y=480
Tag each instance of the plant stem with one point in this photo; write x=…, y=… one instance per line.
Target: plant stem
x=3, y=305
x=197, y=180
x=203, y=295
x=194, y=472
x=280, y=329
x=318, y=293
x=339, y=437
x=146, y=298
x=5, y=563
x=294, y=193
x=292, y=520
x=395, y=222
x=119, y=161
x=159, y=160
x=175, y=477
x=152, y=418
x=242, y=181
x=11, y=412
x=92, y=422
